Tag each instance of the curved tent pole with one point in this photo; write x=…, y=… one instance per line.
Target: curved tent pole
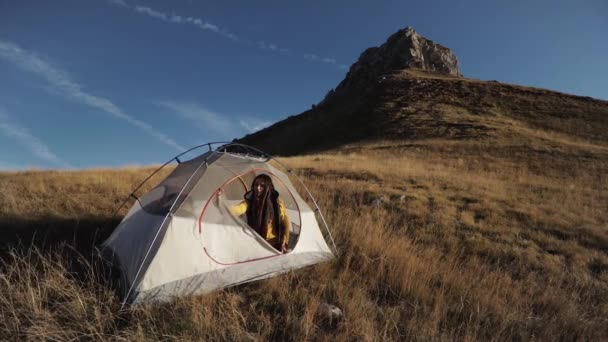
x=156, y=236
x=226, y=144
x=169, y=213
x=269, y=157
x=316, y=205
x=320, y=213
x=160, y=168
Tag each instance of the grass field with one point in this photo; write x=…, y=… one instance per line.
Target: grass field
x=471, y=242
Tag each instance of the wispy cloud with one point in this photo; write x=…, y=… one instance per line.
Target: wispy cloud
x=205, y=119
x=254, y=125
x=272, y=47
x=219, y=125
x=14, y=130
x=63, y=84
x=118, y=3
x=315, y=58
x=207, y=26
x=178, y=19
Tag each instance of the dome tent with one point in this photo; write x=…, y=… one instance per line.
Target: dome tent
x=181, y=238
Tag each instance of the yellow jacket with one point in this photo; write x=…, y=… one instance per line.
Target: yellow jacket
x=271, y=231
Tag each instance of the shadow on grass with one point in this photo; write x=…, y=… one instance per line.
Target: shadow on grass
x=72, y=241
x=46, y=245
x=50, y=233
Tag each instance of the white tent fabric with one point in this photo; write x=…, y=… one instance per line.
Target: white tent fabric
x=181, y=238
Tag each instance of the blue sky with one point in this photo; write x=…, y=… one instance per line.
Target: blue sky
x=105, y=83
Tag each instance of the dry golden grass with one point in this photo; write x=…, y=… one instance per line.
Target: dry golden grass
x=471, y=243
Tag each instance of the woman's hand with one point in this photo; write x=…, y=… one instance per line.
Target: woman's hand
x=284, y=248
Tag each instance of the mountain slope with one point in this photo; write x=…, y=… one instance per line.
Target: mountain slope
x=393, y=92
x=414, y=105
x=461, y=209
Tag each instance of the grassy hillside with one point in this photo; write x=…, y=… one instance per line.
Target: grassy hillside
x=413, y=105
x=471, y=242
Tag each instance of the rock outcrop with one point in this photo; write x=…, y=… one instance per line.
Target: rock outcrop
x=405, y=49
x=410, y=90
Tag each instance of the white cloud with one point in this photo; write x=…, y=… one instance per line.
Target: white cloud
x=205, y=119
x=271, y=47
x=178, y=19
x=203, y=25
x=315, y=58
x=254, y=125
x=63, y=84
x=222, y=126
x=151, y=12
x=12, y=129
x=121, y=3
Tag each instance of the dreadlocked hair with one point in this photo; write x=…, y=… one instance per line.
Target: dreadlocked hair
x=261, y=210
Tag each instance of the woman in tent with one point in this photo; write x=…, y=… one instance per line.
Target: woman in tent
x=266, y=212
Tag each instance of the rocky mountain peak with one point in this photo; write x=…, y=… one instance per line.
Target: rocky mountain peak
x=405, y=49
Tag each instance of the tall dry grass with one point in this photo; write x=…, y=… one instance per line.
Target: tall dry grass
x=470, y=243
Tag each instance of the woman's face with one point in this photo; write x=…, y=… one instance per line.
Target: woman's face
x=259, y=186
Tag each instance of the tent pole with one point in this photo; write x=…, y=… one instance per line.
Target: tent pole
x=320, y=213
x=176, y=158
x=169, y=213
x=269, y=157
x=224, y=146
